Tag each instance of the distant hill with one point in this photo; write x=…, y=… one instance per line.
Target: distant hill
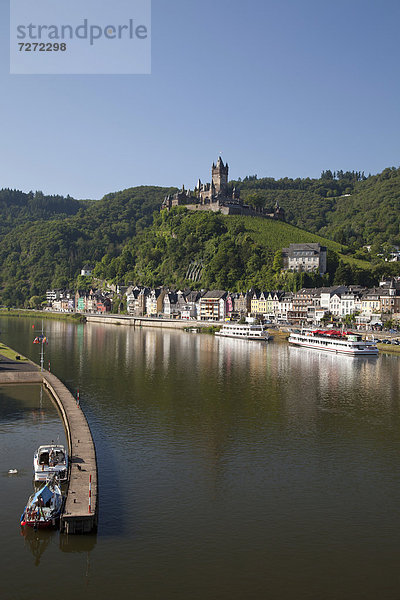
x=17, y=207
x=45, y=240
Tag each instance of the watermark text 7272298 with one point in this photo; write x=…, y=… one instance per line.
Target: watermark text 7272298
x=42, y=47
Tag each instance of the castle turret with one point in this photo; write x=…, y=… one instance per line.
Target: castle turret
x=220, y=176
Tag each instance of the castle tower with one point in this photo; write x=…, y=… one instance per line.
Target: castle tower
x=220, y=176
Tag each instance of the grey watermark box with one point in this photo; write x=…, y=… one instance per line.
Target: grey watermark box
x=80, y=37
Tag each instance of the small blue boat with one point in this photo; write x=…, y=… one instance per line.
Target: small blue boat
x=44, y=507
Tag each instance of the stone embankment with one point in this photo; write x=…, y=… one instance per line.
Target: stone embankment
x=81, y=505
x=144, y=321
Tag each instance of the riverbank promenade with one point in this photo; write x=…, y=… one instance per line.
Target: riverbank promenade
x=80, y=509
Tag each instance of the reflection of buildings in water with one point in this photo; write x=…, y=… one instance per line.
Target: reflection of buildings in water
x=80, y=347
x=241, y=354
x=299, y=379
x=166, y=351
x=150, y=350
x=24, y=402
x=38, y=415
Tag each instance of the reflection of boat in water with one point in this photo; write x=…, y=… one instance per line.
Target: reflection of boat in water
x=244, y=332
x=345, y=342
x=37, y=541
x=49, y=460
x=44, y=506
x=301, y=356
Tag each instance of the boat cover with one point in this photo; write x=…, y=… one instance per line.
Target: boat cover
x=44, y=493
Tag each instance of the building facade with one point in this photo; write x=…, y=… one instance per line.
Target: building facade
x=305, y=257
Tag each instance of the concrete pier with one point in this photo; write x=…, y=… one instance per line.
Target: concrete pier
x=80, y=510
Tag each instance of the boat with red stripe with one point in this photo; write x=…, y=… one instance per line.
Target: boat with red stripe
x=333, y=340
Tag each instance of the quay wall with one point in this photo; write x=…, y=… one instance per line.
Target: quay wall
x=15, y=377
x=76, y=517
x=80, y=514
x=145, y=322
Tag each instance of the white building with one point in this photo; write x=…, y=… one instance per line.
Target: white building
x=86, y=271
x=285, y=305
x=305, y=257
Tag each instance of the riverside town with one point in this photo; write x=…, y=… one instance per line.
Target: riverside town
x=363, y=307
x=200, y=300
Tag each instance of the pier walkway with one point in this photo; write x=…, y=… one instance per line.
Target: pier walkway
x=81, y=507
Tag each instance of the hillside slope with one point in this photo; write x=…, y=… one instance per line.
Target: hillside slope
x=346, y=207
x=235, y=253
x=45, y=240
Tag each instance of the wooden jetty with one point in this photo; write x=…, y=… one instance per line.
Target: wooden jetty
x=81, y=506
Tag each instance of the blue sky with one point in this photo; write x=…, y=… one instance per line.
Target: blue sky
x=280, y=87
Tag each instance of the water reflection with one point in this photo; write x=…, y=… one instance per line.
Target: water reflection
x=224, y=465
x=36, y=541
x=77, y=543
x=18, y=403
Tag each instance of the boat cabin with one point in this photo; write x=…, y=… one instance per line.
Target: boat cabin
x=51, y=456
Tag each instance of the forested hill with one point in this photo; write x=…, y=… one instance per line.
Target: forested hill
x=45, y=240
x=347, y=207
x=227, y=252
x=16, y=208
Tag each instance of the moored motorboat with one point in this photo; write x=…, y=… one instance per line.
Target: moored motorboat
x=50, y=459
x=44, y=506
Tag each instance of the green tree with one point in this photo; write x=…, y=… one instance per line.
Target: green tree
x=36, y=302
x=277, y=265
x=343, y=274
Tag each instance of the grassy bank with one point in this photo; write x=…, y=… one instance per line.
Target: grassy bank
x=208, y=329
x=38, y=314
x=279, y=335
x=389, y=349
x=11, y=354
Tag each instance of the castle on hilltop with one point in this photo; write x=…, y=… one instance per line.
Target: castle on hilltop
x=217, y=197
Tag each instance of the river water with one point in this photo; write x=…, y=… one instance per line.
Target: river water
x=227, y=469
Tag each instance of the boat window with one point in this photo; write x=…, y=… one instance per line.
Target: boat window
x=44, y=458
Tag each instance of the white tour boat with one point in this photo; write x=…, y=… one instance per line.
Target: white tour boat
x=245, y=332
x=345, y=342
x=49, y=460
